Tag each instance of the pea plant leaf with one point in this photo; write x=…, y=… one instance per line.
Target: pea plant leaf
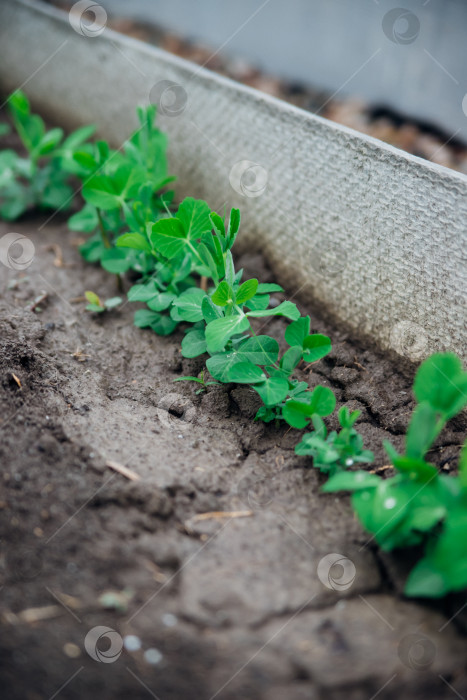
x=286, y=308
x=219, y=332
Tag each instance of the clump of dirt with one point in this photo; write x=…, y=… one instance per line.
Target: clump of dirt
x=205, y=565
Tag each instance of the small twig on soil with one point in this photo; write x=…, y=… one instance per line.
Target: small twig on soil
x=222, y=514
x=77, y=300
x=79, y=355
x=359, y=365
x=380, y=469
x=124, y=471
x=58, y=261
x=38, y=300
x=31, y=615
x=17, y=380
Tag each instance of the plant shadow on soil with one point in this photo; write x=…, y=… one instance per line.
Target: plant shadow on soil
x=233, y=603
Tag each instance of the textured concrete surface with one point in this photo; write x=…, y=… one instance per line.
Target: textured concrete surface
x=375, y=235
x=377, y=50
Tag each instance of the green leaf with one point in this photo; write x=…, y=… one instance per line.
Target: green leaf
x=268, y=288
x=246, y=373
x=246, y=291
x=351, y=481
x=258, y=303
x=209, y=310
x=49, y=141
x=133, y=240
x=272, y=390
x=290, y=359
x=234, y=225
x=463, y=466
x=100, y=192
x=208, y=260
x=194, y=343
x=195, y=217
x=287, y=309
x=93, y=249
x=315, y=347
x=167, y=237
x=223, y=295
x=218, y=224
x=188, y=304
x=93, y=299
x=321, y=401
x=297, y=331
x=444, y=567
x=423, y=429
x=162, y=325
x=219, y=332
x=115, y=260
x=190, y=379
x=84, y=221
x=77, y=137
x=220, y=365
x=112, y=302
x=260, y=350
x=416, y=469
x=441, y=382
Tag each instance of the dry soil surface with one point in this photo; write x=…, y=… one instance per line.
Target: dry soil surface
x=206, y=566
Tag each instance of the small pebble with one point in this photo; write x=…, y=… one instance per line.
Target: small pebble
x=153, y=656
x=131, y=642
x=169, y=620
x=72, y=650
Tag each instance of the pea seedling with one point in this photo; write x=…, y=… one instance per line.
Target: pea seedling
x=185, y=274
x=41, y=179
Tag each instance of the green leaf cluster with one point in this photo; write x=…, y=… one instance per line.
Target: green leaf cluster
x=419, y=505
x=40, y=178
x=181, y=266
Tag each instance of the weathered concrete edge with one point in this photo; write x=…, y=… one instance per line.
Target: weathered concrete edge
x=341, y=194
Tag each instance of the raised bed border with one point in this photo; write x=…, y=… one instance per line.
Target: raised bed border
x=374, y=235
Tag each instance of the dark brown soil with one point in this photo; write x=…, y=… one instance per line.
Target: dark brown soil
x=232, y=604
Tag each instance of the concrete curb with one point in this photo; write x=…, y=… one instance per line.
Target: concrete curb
x=376, y=236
